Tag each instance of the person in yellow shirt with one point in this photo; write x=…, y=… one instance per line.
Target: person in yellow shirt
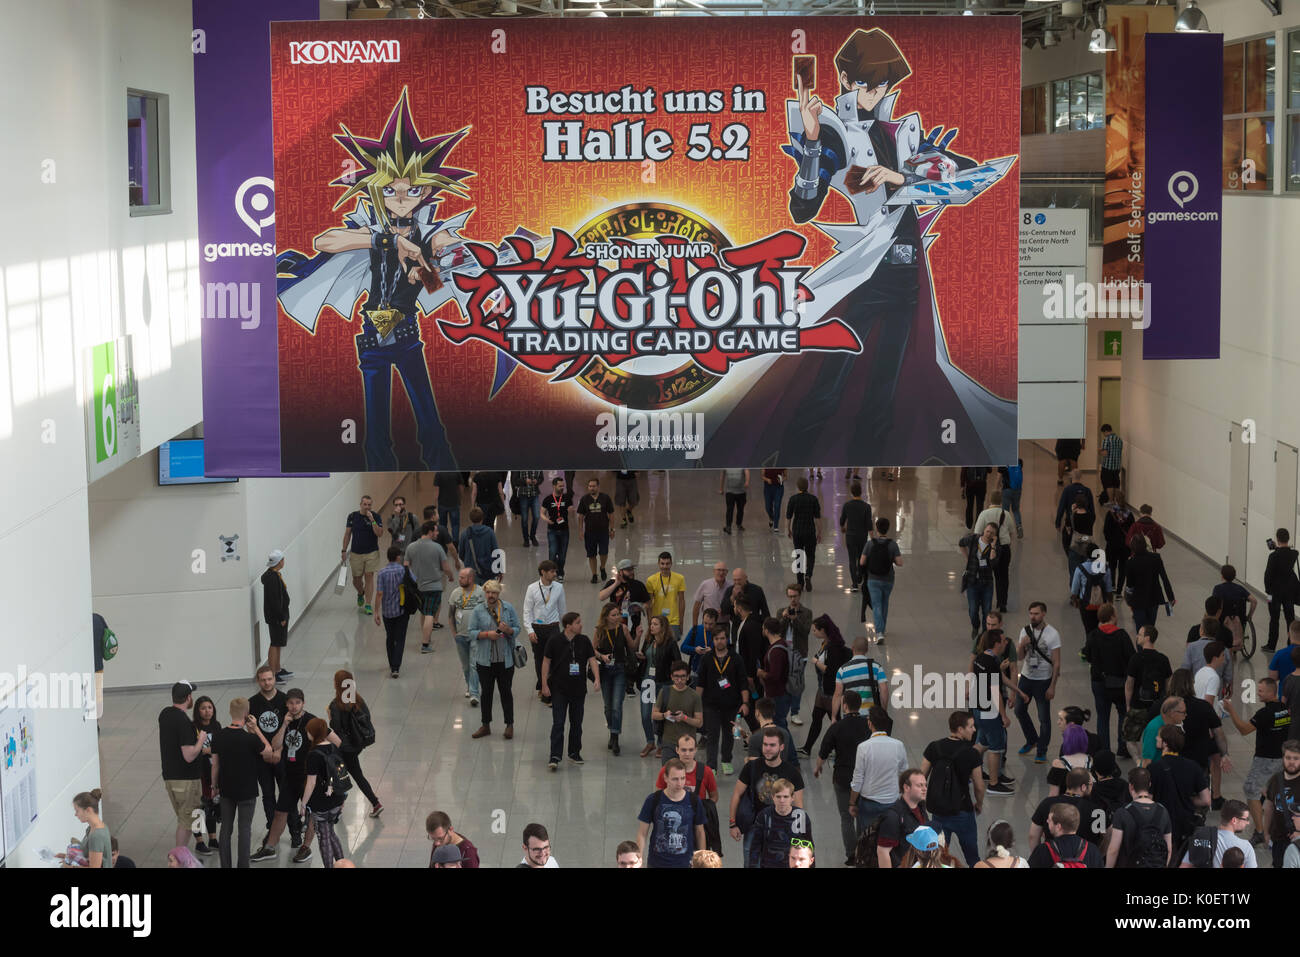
x=668, y=593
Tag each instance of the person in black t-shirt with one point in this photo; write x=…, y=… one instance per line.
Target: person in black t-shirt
x=179, y=746
x=842, y=740
x=555, y=512
x=625, y=589
x=855, y=526
x=1271, y=725
x=1141, y=814
x=268, y=708
x=1065, y=844
x=901, y=818
x=361, y=550
x=238, y=751
x=449, y=485
x=804, y=515
x=324, y=804
x=568, y=658
x=1092, y=817
x=758, y=778
x=1281, y=585
x=1178, y=783
x=954, y=812
x=432, y=513
x=487, y=489
x=594, y=511
x=1148, y=672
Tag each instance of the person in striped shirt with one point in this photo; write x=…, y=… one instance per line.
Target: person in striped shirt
x=1112, y=457
x=862, y=675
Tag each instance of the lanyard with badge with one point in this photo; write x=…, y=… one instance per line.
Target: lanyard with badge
x=722, y=666
x=664, y=590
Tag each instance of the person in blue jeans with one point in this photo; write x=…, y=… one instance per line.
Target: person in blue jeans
x=773, y=493
x=878, y=561
x=528, y=486
x=462, y=601
x=1039, y=652
x=555, y=512
x=954, y=812
x=615, y=647
x=775, y=671
x=981, y=554
x=1013, y=482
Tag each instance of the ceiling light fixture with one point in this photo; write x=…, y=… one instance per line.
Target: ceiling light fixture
x=1192, y=20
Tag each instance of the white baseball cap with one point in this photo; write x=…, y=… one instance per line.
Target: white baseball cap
x=275, y=558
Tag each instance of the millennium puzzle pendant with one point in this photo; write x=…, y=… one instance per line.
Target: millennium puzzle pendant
x=384, y=320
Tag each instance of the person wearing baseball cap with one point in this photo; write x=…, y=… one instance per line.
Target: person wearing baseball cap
x=927, y=850
x=179, y=745
x=447, y=855
x=275, y=610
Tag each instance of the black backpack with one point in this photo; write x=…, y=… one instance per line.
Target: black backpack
x=878, y=558
x=336, y=772
x=1201, y=847
x=412, y=600
x=945, y=793
x=1147, y=847
x=865, y=853
x=701, y=809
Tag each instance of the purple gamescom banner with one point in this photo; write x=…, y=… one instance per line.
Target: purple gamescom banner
x=1184, y=244
x=232, y=105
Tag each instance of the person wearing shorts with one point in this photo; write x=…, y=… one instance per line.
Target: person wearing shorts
x=626, y=495
x=179, y=746
x=594, y=513
x=362, y=536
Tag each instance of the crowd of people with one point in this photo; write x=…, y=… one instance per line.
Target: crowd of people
x=720, y=682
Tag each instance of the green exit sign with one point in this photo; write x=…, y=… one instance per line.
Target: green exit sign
x=1112, y=345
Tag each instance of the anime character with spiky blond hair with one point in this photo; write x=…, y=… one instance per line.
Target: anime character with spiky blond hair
x=395, y=251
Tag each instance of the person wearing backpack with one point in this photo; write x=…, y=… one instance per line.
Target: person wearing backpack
x=879, y=558
x=1108, y=650
x=776, y=826
x=904, y=816
x=1179, y=783
x=949, y=765
x=1090, y=588
x=325, y=789
x=1141, y=831
x=478, y=546
x=1065, y=848
x=349, y=717
x=1013, y=482
x=671, y=822
x=1234, y=817
x=1146, y=679
x=1147, y=585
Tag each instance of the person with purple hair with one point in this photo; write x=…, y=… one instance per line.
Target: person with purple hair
x=1074, y=754
x=182, y=857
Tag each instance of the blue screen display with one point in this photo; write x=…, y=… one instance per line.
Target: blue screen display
x=180, y=462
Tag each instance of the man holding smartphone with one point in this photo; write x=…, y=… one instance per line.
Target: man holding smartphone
x=362, y=536
x=1280, y=584
x=680, y=708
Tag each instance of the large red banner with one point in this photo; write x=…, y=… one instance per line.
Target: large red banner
x=665, y=243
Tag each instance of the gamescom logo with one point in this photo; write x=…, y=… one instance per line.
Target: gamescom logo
x=1183, y=187
x=252, y=199
x=344, y=51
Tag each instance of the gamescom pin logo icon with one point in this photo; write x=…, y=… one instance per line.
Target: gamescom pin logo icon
x=252, y=199
x=1183, y=187
x=1039, y=219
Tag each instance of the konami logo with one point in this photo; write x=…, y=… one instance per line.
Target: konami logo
x=345, y=51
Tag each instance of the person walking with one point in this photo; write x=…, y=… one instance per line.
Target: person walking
x=595, y=511
x=773, y=493
x=361, y=551
x=804, y=514
x=569, y=656
x=544, y=606
x=321, y=800
x=878, y=763
x=430, y=566
x=879, y=559
x=832, y=654
x=1038, y=650
x=349, y=718
x=527, y=485
x=1148, y=528
x=494, y=626
x=626, y=495
x=275, y=612
x=955, y=791
x=734, y=484
x=555, y=512
x=842, y=740
x=974, y=486
x=615, y=653
x=796, y=622
x=462, y=601
x=1281, y=586
x=980, y=552
x=1013, y=482
x=487, y=492
x=1148, y=583
x=1077, y=534
x=1067, y=457
x=390, y=611
x=1114, y=532
x=1090, y=589
x=401, y=526
x=1111, y=459
x=449, y=485
x=995, y=514
x=724, y=690
x=1108, y=650
x=478, y=547
x=855, y=526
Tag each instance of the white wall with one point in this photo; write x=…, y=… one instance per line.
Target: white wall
x=1177, y=415
x=74, y=268
x=304, y=518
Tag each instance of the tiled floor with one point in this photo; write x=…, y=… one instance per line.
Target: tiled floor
x=424, y=758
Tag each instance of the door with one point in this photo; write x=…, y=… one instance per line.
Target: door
x=1287, y=458
x=1238, y=499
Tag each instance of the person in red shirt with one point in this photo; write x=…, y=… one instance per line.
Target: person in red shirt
x=775, y=670
x=438, y=826
x=699, y=776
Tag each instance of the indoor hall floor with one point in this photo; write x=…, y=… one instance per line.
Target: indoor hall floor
x=424, y=758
